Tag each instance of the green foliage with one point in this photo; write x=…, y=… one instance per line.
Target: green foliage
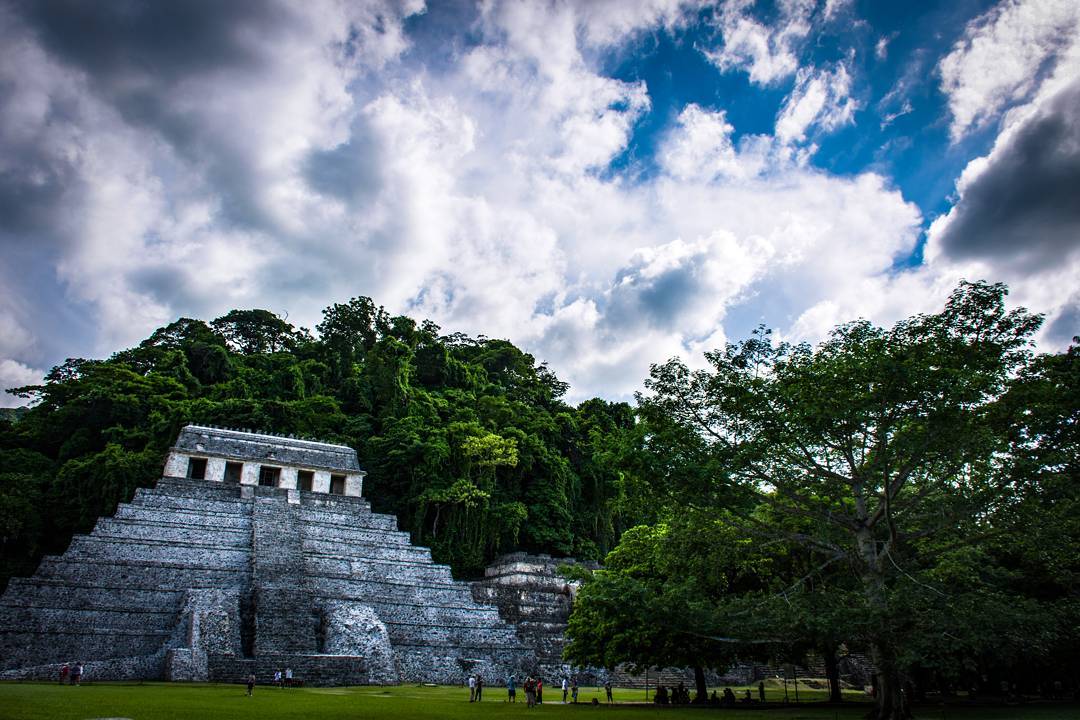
x=890, y=479
x=466, y=440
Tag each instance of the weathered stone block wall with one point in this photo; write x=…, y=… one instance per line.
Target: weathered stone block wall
x=198, y=580
x=529, y=592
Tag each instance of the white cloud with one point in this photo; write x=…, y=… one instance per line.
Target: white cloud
x=881, y=47
x=14, y=374
x=700, y=147
x=768, y=52
x=1003, y=56
x=475, y=193
x=820, y=98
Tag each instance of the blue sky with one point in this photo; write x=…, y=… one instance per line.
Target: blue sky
x=607, y=183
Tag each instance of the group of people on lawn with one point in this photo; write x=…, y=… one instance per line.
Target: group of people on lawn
x=71, y=673
x=680, y=695
x=533, y=687
x=282, y=678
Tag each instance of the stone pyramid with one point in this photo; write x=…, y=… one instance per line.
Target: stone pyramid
x=253, y=553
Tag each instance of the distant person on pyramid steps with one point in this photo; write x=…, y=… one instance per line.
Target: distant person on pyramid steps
x=472, y=688
x=511, y=689
x=607, y=689
x=565, y=689
x=251, y=683
x=479, y=688
x=65, y=670
x=539, y=691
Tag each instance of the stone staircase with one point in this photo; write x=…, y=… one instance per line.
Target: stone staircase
x=284, y=623
x=313, y=582
x=115, y=594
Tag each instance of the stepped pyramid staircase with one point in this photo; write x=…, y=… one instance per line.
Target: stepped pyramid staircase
x=202, y=580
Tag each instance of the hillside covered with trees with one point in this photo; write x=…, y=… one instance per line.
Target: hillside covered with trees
x=466, y=440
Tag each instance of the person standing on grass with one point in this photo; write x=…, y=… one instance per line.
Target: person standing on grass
x=573, y=689
x=251, y=683
x=472, y=688
x=607, y=689
x=479, y=688
x=511, y=689
x=565, y=689
x=288, y=677
x=65, y=669
x=761, y=691
x=76, y=674
x=539, y=691
x=530, y=691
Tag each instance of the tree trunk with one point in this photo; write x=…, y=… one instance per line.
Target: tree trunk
x=832, y=672
x=699, y=681
x=889, y=698
x=890, y=704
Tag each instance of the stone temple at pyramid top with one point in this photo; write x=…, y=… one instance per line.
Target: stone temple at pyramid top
x=243, y=458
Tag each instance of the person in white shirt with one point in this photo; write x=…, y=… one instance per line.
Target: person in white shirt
x=472, y=688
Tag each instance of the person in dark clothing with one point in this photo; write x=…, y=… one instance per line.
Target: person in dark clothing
x=761, y=691
x=251, y=683
x=479, y=688
x=729, y=698
x=607, y=690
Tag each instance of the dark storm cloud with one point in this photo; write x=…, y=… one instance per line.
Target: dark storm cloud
x=656, y=301
x=135, y=54
x=35, y=179
x=350, y=171
x=1066, y=325
x=1025, y=207
x=167, y=40
x=27, y=206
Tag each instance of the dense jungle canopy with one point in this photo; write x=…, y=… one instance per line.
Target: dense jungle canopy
x=465, y=439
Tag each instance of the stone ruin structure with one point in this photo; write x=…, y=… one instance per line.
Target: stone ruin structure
x=531, y=593
x=253, y=553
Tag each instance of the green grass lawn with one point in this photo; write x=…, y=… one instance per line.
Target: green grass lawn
x=165, y=701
